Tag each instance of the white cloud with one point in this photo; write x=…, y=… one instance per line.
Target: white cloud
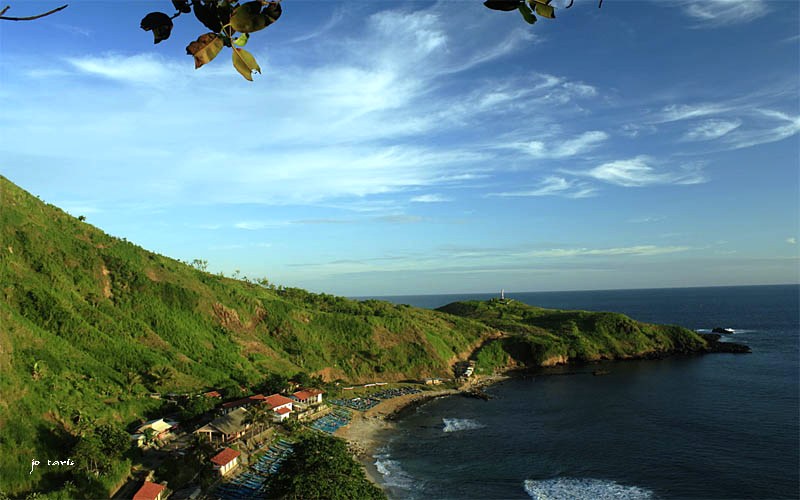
x=766, y=126
x=714, y=13
x=791, y=241
x=136, y=69
x=430, y=198
x=254, y=225
x=640, y=250
x=639, y=172
x=553, y=186
x=559, y=148
x=678, y=112
x=711, y=129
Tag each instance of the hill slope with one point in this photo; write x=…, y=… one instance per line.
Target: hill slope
x=92, y=323
x=535, y=336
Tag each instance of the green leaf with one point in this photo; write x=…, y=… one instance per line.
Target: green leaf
x=248, y=17
x=242, y=40
x=245, y=63
x=545, y=10
x=204, y=49
x=504, y=5
x=527, y=14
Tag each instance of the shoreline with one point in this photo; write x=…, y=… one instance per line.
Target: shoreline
x=369, y=430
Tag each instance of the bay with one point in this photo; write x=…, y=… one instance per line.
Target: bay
x=715, y=426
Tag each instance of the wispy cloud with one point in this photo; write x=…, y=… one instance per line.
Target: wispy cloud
x=553, y=186
x=557, y=148
x=678, y=112
x=711, y=129
x=791, y=241
x=254, y=225
x=430, y=198
x=716, y=13
x=639, y=172
x=640, y=250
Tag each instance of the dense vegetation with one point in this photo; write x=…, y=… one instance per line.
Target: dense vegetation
x=321, y=467
x=92, y=324
x=538, y=337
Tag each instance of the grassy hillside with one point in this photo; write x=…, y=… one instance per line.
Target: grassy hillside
x=541, y=337
x=92, y=323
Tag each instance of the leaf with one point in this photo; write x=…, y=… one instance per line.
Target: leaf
x=159, y=23
x=245, y=63
x=207, y=15
x=242, y=40
x=204, y=49
x=272, y=12
x=527, y=14
x=182, y=6
x=545, y=10
x=504, y=5
x=247, y=18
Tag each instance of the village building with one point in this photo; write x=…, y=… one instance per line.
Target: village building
x=225, y=461
x=213, y=394
x=243, y=403
x=160, y=428
x=226, y=428
x=150, y=491
x=280, y=405
x=308, y=396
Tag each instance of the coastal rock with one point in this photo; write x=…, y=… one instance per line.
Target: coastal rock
x=725, y=331
x=714, y=345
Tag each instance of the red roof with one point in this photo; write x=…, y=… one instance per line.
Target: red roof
x=225, y=457
x=249, y=400
x=149, y=491
x=212, y=394
x=307, y=394
x=278, y=400
x=283, y=411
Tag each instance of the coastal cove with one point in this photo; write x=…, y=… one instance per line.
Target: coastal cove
x=717, y=426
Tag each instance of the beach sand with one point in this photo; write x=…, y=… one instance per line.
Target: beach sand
x=368, y=430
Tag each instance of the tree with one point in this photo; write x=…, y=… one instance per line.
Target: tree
x=114, y=441
x=322, y=467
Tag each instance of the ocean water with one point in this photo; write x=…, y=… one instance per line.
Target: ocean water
x=715, y=426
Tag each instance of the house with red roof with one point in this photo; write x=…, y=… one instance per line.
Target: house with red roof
x=213, y=394
x=308, y=396
x=150, y=491
x=226, y=460
x=280, y=405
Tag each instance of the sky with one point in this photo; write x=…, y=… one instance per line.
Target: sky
x=393, y=148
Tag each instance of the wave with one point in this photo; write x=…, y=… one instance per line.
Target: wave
x=590, y=489
x=393, y=474
x=461, y=424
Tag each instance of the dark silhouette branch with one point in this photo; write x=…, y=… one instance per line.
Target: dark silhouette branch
x=30, y=18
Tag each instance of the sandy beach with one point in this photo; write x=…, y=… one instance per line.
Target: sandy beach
x=368, y=430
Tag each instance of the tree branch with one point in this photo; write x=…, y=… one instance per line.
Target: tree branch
x=31, y=18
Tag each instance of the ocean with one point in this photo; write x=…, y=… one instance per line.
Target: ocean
x=714, y=426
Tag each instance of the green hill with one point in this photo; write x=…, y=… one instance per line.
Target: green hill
x=534, y=336
x=91, y=324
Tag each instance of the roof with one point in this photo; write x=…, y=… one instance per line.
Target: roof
x=307, y=393
x=283, y=411
x=149, y=491
x=249, y=400
x=278, y=400
x=157, y=425
x=225, y=457
x=212, y=394
x=231, y=423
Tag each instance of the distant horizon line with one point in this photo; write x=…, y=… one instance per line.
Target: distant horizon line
x=571, y=291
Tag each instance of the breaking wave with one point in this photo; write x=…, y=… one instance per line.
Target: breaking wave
x=578, y=489
x=461, y=424
x=392, y=474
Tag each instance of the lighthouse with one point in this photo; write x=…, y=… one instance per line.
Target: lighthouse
x=502, y=294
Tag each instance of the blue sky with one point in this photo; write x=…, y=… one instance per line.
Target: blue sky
x=419, y=147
